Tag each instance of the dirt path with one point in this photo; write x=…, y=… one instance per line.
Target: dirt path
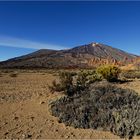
x=27, y=114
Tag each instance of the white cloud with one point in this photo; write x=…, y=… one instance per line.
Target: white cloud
x=21, y=43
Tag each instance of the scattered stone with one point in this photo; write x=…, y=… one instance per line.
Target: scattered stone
x=6, y=133
x=5, y=123
x=66, y=137
x=42, y=102
x=23, y=136
x=72, y=134
x=38, y=136
x=16, y=118
x=29, y=136
x=32, y=118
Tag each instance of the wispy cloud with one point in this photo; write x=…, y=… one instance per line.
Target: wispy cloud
x=21, y=43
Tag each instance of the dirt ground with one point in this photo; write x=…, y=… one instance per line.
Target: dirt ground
x=24, y=109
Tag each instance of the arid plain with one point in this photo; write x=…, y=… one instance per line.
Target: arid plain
x=24, y=106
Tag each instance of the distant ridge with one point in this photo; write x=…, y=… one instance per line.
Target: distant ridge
x=85, y=56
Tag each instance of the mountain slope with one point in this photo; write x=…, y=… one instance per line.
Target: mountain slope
x=90, y=55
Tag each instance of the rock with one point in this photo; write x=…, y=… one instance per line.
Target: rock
x=6, y=133
x=5, y=123
x=32, y=118
x=23, y=136
x=16, y=118
x=42, y=102
x=28, y=136
x=67, y=136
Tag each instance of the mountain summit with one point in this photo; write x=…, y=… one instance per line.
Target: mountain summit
x=85, y=56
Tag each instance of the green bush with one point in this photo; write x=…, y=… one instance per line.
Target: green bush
x=73, y=83
x=81, y=81
x=66, y=81
x=55, y=87
x=85, y=78
x=109, y=72
x=65, y=84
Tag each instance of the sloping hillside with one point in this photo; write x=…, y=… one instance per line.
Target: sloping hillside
x=90, y=55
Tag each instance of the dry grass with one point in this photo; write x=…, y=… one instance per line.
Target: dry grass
x=25, y=112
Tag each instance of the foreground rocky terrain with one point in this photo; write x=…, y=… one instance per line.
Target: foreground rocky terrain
x=25, y=110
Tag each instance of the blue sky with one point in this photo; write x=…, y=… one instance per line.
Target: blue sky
x=29, y=26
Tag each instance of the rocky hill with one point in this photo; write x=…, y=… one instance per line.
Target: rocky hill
x=85, y=56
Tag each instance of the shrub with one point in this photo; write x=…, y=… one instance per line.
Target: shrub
x=65, y=84
x=55, y=87
x=127, y=120
x=73, y=83
x=94, y=77
x=101, y=106
x=82, y=81
x=131, y=74
x=109, y=72
x=85, y=78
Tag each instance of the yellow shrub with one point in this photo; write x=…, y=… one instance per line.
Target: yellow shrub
x=109, y=72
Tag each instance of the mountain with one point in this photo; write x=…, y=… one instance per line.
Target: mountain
x=133, y=66
x=90, y=55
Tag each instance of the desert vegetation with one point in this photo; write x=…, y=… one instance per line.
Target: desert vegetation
x=74, y=82
x=82, y=99
x=92, y=102
x=109, y=72
x=131, y=74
